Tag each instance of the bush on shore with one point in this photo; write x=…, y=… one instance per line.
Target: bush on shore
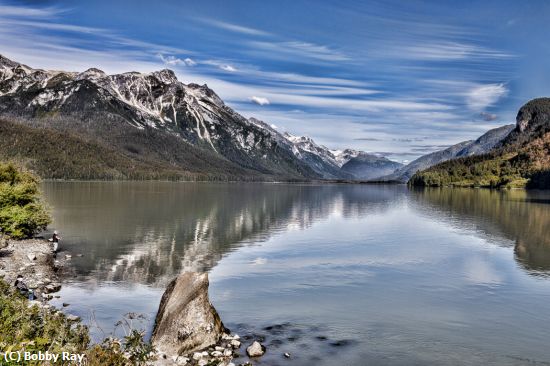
x=22, y=213
x=31, y=328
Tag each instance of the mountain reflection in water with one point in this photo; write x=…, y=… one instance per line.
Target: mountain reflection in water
x=520, y=216
x=332, y=274
x=149, y=232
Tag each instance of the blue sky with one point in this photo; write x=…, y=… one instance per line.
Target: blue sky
x=401, y=78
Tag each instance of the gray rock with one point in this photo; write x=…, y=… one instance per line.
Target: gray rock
x=72, y=318
x=287, y=355
x=54, y=287
x=31, y=256
x=235, y=343
x=256, y=349
x=186, y=321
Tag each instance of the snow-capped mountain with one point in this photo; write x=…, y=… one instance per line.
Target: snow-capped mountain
x=155, y=117
x=343, y=156
x=101, y=105
x=344, y=164
x=318, y=157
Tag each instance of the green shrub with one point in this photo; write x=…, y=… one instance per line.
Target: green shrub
x=22, y=213
x=33, y=329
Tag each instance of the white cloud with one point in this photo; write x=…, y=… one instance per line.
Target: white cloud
x=189, y=62
x=259, y=101
x=174, y=61
x=483, y=96
x=228, y=68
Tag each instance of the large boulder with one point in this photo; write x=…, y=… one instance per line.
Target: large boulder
x=186, y=320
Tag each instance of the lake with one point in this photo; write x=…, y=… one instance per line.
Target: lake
x=332, y=274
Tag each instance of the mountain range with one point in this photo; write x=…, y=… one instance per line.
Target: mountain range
x=520, y=159
x=91, y=125
x=482, y=145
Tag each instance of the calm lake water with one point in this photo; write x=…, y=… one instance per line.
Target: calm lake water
x=332, y=274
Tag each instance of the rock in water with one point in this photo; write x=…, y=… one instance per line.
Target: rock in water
x=186, y=321
x=255, y=349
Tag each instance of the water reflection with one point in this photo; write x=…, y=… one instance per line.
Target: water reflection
x=148, y=232
x=522, y=217
x=390, y=276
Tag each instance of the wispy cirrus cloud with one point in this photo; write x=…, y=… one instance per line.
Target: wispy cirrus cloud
x=233, y=27
x=372, y=81
x=21, y=11
x=289, y=49
x=446, y=51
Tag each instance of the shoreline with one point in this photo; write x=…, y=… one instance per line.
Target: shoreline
x=33, y=259
x=42, y=271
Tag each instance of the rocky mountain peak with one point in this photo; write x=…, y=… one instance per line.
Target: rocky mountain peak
x=166, y=76
x=535, y=112
x=532, y=121
x=6, y=62
x=91, y=73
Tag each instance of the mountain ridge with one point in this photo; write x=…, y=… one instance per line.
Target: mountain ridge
x=127, y=111
x=521, y=159
x=479, y=146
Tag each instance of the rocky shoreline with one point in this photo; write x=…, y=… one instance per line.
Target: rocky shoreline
x=188, y=330
x=34, y=260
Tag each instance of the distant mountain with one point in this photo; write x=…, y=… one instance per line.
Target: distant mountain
x=340, y=164
x=520, y=159
x=466, y=148
x=368, y=166
x=184, y=130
